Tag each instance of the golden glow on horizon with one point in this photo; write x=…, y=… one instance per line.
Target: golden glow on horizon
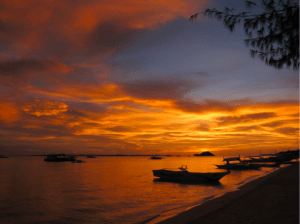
x=149, y=125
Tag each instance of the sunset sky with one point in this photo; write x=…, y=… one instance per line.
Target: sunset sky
x=137, y=77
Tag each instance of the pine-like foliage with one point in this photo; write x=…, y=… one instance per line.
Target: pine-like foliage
x=273, y=34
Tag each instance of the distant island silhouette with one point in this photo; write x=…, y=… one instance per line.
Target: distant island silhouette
x=207, y=153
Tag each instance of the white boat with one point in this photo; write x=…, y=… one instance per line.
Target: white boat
x=183, y=175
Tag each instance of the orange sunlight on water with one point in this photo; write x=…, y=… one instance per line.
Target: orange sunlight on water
x=104, y=189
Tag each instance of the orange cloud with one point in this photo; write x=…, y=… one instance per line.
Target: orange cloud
x=141, y=126
x=133, y=14
x=8, y=112
x=31, y=22
x=45, y=108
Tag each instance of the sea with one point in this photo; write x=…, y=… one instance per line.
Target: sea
x=106, y=189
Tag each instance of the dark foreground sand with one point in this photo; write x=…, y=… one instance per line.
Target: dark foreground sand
x=271, y=199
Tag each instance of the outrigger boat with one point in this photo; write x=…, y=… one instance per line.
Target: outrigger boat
x=78, y=161
x=281, y=157
x=156, y=157
x=183, y=175
x=237, y=165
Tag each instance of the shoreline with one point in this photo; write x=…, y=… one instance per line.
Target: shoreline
x=218, y=208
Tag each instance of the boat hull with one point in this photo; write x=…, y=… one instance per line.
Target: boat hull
x=238, y=167
x=267, y=164
x=59, y=158
x=188, y=176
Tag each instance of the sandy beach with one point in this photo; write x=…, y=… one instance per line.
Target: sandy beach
x=270, y=199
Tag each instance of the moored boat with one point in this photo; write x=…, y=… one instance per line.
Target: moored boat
x=281, y=157
x=78, y=161
x=237, y=165
x=183, y=175
x=59, y=158
x=156, y=157
x=268, y=164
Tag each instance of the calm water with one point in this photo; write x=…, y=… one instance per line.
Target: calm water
x=104, y=189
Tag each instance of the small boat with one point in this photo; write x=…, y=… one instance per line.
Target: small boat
x=183, y=175
x=264, y=158
x=78, y=161
x=156, y=157
x=59, y=158
x=3, y=156
x=237, y=165
x=281, y=157
x=91, y=156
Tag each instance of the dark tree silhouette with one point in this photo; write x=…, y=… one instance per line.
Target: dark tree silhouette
x=273, y=33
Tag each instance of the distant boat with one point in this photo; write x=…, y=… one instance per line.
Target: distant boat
x=59, y=158
x=91, y=156
x=237, y=165
x=3, y=156
x=183, y=175
x=207, y=153
x=156, y=157
x=262, y=164
x=78, y=161
x=265, y=158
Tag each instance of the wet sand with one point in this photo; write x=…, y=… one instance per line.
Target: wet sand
x=270, y=199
